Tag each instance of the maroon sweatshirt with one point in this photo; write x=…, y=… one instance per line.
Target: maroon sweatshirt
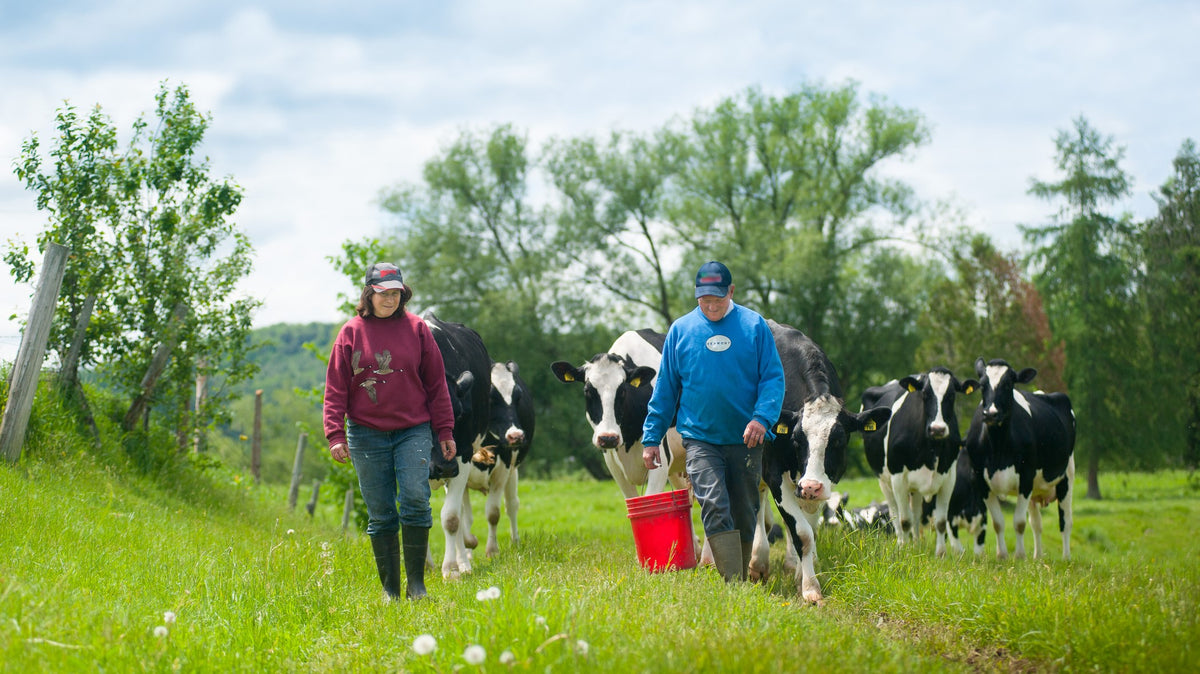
x=386, y=374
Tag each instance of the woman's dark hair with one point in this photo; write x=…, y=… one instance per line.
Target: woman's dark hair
x=365, y=309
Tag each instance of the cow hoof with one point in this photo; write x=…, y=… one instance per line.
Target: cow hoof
x=451, y=574
x=492, y=551
x=814, y=597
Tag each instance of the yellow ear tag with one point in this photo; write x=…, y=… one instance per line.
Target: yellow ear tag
x=635, y=382
x=912, y=389
x=869, y=426
x=568, y=377
x=781, y=429
x=968, y=390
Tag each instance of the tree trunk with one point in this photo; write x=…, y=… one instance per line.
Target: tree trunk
x=68, y=374
x=1093, y=477
x=141, y=404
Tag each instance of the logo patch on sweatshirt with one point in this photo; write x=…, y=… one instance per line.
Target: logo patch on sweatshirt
x=718, y=343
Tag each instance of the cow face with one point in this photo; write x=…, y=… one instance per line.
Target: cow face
x=937, y=389
x=616, y=393
x=997, y=381
x=507, y=394
x=820, y=433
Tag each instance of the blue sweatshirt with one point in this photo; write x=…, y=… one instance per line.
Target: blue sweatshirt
x=718, y=375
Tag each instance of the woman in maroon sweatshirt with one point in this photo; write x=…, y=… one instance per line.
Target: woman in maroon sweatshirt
x=386, y=408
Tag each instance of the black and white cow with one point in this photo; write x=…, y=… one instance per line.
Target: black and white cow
x=464, y=354
x=494, y=468
x=807, y=456
x=914, y=453
x=967, y=508
x=616, y=388
x=1022, y=444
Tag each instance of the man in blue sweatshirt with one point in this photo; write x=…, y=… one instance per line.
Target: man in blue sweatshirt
x=722, y=380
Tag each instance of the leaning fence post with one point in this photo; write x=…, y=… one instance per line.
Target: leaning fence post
x=31, y=352
x=294, y=491
x=312, y=503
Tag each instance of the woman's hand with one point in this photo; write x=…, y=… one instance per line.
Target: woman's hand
x=448, y=449
x=340, y=452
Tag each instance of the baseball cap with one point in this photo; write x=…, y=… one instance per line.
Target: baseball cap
x=384, y=276
x=713, y=279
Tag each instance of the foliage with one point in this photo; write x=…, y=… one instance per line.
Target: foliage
x=1084, y=263
x=153, y=240
x=1171, y=294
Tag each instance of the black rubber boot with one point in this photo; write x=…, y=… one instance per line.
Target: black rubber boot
x=416, y=546
x=727, y=554
x=387, y=560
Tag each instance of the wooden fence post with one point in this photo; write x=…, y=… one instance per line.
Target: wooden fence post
x=312, y=503
x=28, y=366
x=349, y=508
x=69, y=371
x=294, y=491
x=256, y=441
x=200, y=441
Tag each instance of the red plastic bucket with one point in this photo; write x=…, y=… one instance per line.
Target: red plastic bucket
x=662, y=530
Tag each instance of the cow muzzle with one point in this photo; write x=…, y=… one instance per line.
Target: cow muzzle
x=514, y=437
x=607, y=440
x=811, y=490
x=938, y=431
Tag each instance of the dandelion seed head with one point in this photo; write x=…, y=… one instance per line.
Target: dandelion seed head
x=425, y=644
x=474, y=655
x=492, y=592
x=160, y=631
x=581, y=647
x=169, y=617
x=507, y=658
x=541, y=620
x=291, y=531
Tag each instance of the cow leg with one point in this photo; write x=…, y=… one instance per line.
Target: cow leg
x=1020, y=515
x=885, y=486
x=1066, y=517
x=618, y=472
x=941, y=507
x=492, y=508
x=1035, y=522
x=955, y=544
x=455, y=561
x=759, y=566
x=980, y=534
x=468, y=519
x=997, y=515
x=511, y=504
x=902, y=511
x=656, y=479
x=807, y=584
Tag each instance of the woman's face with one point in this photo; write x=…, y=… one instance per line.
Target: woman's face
x=384, y=304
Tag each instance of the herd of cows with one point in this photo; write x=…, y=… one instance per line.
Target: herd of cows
x=1018, y=444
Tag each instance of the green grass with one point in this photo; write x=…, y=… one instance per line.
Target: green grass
x=93, y=556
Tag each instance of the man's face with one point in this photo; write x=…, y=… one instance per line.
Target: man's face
x=714, y=308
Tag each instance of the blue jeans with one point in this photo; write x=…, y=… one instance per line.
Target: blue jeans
x=385, y=460
x=725, y=481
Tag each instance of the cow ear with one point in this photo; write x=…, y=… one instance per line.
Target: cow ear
x=464, y=382
x=910, y=384
x=980, y=367
x=1025, y=376
x=969, y=386
x=641, y=376
x=869, y=421
x=566, y=372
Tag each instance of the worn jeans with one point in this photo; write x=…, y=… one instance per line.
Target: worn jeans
x=725, y=481
x=385, y=460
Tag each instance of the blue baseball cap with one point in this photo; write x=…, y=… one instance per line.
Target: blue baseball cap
x=713, y=279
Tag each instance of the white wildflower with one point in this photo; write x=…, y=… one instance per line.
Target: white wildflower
x=169, y=617
x=507, y=658
x=492, y=592
x=425, y=644
x=541, y=620
x=474, y=655
x=160, y=631
x=291, y=531
x=581, y=647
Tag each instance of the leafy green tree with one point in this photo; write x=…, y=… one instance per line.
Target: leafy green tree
x=154, y=241
x=1171, y=250
x=76, y=193
x=1085, y=261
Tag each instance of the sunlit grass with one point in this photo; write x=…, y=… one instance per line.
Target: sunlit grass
x=95, y=559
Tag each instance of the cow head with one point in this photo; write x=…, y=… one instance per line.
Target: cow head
x=504, y=426
x=997, y=380
x=616, y=393
x=937, y=389
x=819, y=434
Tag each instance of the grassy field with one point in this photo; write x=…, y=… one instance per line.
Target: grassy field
x=104, y=571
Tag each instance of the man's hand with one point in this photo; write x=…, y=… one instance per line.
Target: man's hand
x=754, y=434
x=651, y=457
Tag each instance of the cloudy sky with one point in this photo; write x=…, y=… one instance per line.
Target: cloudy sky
x=317, y=105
